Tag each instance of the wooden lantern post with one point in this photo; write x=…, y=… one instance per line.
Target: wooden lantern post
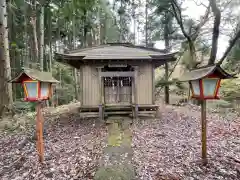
x=39, y=132
x=37, y=87
x=204, y=131
x=204, y=84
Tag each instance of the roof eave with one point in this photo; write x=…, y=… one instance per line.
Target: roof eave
x=28, y=74
x=226, y=74
x=88, y=48
x=16, y=79
x=59, y=56
x=76, y=61
x=162, y=57
x=212, y=68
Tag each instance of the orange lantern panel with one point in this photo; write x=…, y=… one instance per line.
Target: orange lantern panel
x=30, y=90
x=37, y=85
x=35, y=90
x=206, y=88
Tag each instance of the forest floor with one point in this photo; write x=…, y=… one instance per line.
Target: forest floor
x=167, y=148
x=73, y=148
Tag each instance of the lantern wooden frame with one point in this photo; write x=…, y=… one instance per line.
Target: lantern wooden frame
x=35, y=76
x=204, y=73
x=201, y=88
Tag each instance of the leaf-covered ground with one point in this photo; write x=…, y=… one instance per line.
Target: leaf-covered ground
x=170, y=147
x=73, y=148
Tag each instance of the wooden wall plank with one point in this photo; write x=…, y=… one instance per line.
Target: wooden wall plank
x=91, y=89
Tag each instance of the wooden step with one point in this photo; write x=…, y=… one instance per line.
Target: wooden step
x=118, y=113
x=89, y=114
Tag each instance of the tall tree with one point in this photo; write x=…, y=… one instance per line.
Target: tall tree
x=33, y=22
x=5, y=68
x=124, y=18
x=41, y=54
x=134, y=7
x=167, y=21
x=146, y=22
x=74, y=47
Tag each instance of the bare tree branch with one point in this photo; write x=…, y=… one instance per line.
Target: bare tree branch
x=178, y=16
x=200, y=4
x=203, y=21
x=217, y=12
x=232, y=43
x=226, y=4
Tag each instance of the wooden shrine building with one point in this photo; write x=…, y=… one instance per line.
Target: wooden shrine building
x=117, y=78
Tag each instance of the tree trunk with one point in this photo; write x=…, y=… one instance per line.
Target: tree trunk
x=191, y=65
x=50, y=43
x=99, y=24
x=85, y=28
x=34, y=27
x=103, y=35
x=146, y=23
x=26, y=58
x=167, y=47
x=14, y=59
x=5, y=67
x=166, y=86
x=74, y=47
x=193, y=55
x=41, y=57
x=90, y=38
x=134, y=20
x=121, y=23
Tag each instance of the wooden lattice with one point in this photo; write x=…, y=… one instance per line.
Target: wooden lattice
x=118, y=89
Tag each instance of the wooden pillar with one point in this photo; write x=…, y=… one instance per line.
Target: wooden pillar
x=204, y=131
x=118, y=90
x=136, y=91
x=39, y=132
x=166, y=86
x=133, y=90
x=81, y=86
x=101, y=96
x=102, y=91
x=133, y=96
x=153, y=84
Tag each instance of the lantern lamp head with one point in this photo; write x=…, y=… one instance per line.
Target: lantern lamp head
x=205, y=82
x=37, y=91
x=206, y=88
x=37, y=85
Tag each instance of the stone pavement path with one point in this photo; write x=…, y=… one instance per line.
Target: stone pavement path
x=117, y=159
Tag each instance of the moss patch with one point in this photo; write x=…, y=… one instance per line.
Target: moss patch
x=114, y=135
x=127, y=138
x=117, y=172
x=118, y=154
x=119, y=133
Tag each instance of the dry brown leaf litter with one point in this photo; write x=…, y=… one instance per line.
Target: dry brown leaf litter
x=73, y=148
x=170, y=148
